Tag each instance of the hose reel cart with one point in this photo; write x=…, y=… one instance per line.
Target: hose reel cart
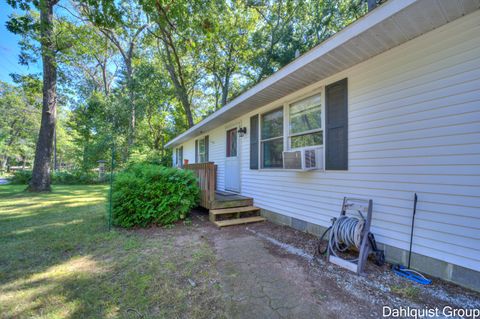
x=352, y=228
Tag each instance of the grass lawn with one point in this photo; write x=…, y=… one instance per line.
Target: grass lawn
x=58, y=260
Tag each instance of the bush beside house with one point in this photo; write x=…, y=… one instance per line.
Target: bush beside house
x=145, y=194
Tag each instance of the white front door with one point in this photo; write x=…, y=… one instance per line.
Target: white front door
x=232, y=162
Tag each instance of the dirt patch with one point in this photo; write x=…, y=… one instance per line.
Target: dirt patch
x=274, y=271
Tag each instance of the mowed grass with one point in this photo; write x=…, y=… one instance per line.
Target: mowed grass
x=58, y=260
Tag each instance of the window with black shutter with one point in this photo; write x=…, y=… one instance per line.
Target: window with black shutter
x=336, y=118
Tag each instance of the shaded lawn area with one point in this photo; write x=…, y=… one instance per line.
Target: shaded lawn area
x=58, y=260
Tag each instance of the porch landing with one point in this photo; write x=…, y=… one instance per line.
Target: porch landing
x=225, y=208
x=229, y=200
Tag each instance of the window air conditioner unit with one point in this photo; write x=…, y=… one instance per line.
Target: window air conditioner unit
x=305, y=159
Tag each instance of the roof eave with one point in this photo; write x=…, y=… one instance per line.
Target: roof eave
x=351, y=32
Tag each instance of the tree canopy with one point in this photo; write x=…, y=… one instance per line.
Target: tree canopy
x=137, y=73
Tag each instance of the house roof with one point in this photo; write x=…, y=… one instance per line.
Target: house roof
x=389, y=25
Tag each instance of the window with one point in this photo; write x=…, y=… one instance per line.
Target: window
x=305, y=122
x=201, y=150
x=232, y=142
x=179, y=157
x=272, y=139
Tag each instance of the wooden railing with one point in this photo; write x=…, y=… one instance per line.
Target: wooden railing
x=207, y=179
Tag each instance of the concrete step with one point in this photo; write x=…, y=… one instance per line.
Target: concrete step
x=239, y=221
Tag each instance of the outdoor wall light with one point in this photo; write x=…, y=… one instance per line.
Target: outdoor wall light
x=242, y=131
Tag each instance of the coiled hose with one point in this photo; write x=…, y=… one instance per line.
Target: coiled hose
x=345, y=232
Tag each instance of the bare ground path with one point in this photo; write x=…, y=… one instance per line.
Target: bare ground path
x=270, y=271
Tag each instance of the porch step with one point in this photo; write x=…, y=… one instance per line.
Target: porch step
x=235, y=215
x=231, y=201
x=233, y=210
x=239, y=221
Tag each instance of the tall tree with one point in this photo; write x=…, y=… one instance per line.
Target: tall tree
x=125, y=32
x=92, y=64
x=179, y=31
x=159, y=105
x=227, y=46
x=43, y=31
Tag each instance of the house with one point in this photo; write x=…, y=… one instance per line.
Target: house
x=388, y=107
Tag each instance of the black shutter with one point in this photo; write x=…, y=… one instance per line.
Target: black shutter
x=196, y=151
x=180, y=154
x=336, y=152
x=254, y=142
x=206, y=148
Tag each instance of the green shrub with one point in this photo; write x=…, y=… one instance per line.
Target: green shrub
x=145, y=194
x=76, y=177
x=21, y=177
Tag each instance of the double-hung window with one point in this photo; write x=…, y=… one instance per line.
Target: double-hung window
x=201, y=150
x=305, y=123
x=271, y=139
x=179, y=156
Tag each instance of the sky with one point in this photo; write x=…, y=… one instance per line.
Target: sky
x=9, y=49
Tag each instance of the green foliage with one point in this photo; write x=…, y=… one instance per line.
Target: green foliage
x=75, y=177
x=145, y=194
x=21, y=177
x=137, y=73
x=150, y=157
x=20, y=108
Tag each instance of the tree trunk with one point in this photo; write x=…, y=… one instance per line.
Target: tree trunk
x=43, y=153
x=105, y=80
x=180, y=92
x=3, y=164
x=186, y=107
x=225, y=89
x=176, y=77
x=133, y=117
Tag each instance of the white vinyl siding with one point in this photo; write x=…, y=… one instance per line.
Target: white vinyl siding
x=414, y=126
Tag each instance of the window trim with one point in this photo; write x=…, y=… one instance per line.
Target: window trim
x=197, y=151
x=178, y=158
x=261, y=141
x=321, y=129
x=286, y=129
x=202, y=140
